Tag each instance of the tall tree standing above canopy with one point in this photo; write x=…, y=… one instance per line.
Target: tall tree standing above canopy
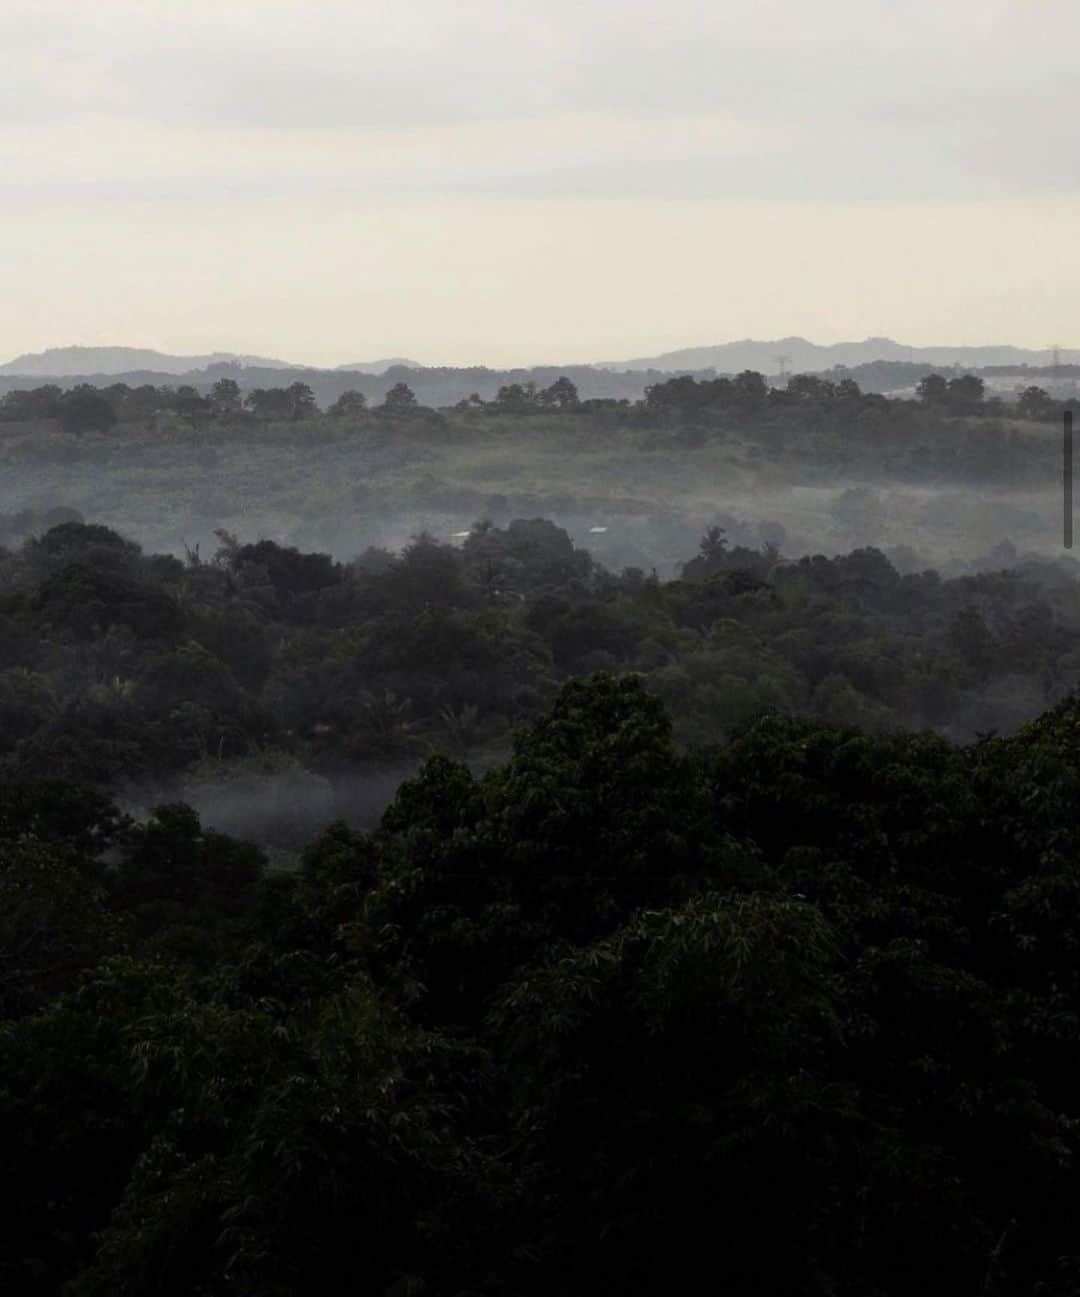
x=932, y=390
x=84, y=409
x=562, y=394
x=225, y=395
x=301, y=401
x=348, y=405
x=400, y=399
x=1035, y=403
x=966, y=393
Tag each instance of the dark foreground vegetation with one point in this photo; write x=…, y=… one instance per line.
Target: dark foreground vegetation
x=723, y=931
x=797, y=1013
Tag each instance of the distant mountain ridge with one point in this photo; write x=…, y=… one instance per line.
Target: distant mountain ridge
x=72, y=362
x=895, y=368
x=793, y=355
x=799, y=355
x=64, y=362
x=377, y=366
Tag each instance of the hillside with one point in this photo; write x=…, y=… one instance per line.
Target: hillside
x=802, y=356
x=63, y=362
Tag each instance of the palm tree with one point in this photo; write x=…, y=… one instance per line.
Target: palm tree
x=383, y=726
x=713, y=543
x=460, y=726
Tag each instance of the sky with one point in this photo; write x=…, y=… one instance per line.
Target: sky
x=535, y=181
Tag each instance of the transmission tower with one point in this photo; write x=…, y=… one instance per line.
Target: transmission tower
x=782, y=371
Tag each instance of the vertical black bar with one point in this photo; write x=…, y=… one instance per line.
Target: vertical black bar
x=1068, y=465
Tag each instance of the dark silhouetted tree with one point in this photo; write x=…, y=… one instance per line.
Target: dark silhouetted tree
x=349, y=405
x=84, y=409
x=399, y=400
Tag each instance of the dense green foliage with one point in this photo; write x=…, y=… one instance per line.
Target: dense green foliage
x=155, y=676
x=818, y=466
x=724, y=924
x=797, y=1013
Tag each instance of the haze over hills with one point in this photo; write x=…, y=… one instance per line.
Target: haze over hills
x=377, y=366
x=70, y=362
x=877, y=364
x=802, y=356
x=63, y=362
x=793, y=354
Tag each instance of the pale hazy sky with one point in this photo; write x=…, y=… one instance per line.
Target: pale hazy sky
x=500, y=181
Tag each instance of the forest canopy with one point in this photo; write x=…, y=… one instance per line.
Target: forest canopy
x=799, y=1010
x=148, y=675
x=592, y=889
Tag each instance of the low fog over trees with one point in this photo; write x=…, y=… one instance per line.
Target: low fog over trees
x=495, y=849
